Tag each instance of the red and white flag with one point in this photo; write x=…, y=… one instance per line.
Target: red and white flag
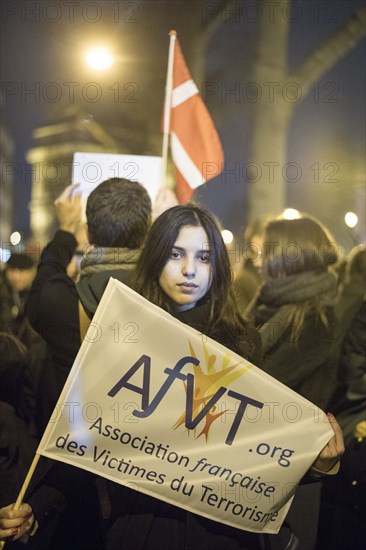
x=196, y=149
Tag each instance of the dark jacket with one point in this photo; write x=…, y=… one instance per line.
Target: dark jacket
x=304, y=358
x=247, y=344
x=349, y=301
x=58, y=492
x=11, y=308
x=53, y=306
x=17, y=448
x=350, y=310
x=353, y=357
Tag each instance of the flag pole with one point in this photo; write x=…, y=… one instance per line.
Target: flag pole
x=24, y=488
x=167, y=108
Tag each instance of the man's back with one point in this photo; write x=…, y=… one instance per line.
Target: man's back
x=53, y=302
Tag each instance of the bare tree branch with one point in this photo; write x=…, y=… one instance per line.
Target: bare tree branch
x=330, y=52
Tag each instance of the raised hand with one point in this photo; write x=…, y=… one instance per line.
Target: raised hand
x=68, y=208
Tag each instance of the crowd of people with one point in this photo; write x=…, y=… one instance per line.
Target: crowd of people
x=291, y=311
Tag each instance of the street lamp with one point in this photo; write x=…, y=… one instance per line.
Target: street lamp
x=291, y=214
x=351, y=219
x=15, y=238
x=99, y=59
x=227, y=236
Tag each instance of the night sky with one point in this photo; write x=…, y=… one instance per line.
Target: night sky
x=42, y=43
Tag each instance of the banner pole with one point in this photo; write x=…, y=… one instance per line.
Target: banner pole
x=167, y=108
x=24, y=488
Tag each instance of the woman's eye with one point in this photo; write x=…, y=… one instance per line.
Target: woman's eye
x=175, y=255
x=204, y=258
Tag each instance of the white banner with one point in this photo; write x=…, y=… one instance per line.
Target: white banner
x=155, y=405
x=91, y=169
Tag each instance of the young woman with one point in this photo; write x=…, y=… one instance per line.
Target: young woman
x=184, y=268
x=294, y=312
x=294, y=309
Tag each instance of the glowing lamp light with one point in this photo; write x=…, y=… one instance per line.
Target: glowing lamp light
x=351, y=219
x=99, y=59
x=227, y=236
x=291, y=214
x=15, y=238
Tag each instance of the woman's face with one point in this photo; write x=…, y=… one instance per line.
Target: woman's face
x=186, y=276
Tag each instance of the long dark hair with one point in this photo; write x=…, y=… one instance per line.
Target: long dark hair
x=294, y=247
x=163, y=233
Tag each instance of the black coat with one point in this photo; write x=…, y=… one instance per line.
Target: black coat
x=53, y=311
x=353, y=358
x=305, y=357
x=58, y=492
x=247, y=343
x=17, y=448
x=52, y=306
x=307, y=365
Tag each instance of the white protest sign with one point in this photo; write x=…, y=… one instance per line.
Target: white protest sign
x=90, y=169
x=153, y=404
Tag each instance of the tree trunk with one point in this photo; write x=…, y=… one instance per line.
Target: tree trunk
x=270, y=117
x=278, y=93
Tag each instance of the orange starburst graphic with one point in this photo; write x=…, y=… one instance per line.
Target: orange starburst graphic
x=206, y=383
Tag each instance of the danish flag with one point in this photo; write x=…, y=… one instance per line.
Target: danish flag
x=195, y=145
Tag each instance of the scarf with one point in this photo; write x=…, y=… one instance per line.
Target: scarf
x=277, y=297
x=297, y=288
x=97, y=266
x=108, y=259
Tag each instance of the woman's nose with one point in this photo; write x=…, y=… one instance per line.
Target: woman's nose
x=188, y=268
